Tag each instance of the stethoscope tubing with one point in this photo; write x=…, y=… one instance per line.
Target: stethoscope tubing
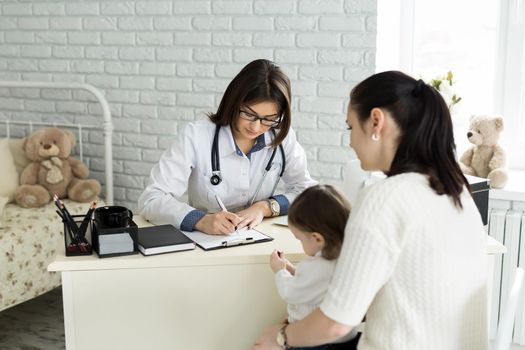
x=215, y=163
x=259, y=186
x=216, y=177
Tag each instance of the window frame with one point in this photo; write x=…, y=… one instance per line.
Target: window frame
x=509, y=92
x=509, y=96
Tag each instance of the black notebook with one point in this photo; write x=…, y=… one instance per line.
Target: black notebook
x=162, y=239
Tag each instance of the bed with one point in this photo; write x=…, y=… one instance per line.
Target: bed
x=30, y=238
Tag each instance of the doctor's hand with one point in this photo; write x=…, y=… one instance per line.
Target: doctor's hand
x=221, y=223
x=253, y=215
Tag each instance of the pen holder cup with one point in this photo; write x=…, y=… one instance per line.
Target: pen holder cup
x=74, y=247
x=115, y=241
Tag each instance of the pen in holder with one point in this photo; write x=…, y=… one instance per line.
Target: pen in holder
x=76, y=228
x=75, y=243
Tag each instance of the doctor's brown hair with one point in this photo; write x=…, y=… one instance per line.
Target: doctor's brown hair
x=259, y=81
x=426, y=144
x=324, y=210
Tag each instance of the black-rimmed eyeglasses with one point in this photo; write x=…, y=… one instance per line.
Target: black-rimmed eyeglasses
x=271, y=122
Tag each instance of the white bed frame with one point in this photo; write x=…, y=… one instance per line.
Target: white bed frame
x=107, y=125
x=18, y=284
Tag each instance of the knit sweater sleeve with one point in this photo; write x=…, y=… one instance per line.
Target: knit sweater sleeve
x=374, y=237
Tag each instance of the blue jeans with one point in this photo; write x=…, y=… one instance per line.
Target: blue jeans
x=349, y=345
x=319, y=347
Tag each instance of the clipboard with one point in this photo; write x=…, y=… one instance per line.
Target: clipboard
x=241, y=237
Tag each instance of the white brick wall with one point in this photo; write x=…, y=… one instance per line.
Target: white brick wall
x=161, y=64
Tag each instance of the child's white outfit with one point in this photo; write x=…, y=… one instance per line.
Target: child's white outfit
x=304, y=291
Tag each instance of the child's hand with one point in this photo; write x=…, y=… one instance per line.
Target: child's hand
x=276, y=262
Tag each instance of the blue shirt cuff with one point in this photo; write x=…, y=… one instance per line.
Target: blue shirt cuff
x=284, y=203
x=189, y=221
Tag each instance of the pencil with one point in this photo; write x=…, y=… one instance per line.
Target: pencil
x=67, y=216
x=66, y=226
x=86, y=221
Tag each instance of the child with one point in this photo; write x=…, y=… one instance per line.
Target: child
x=317, y=218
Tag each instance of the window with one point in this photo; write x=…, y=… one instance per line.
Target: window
x=482, y=42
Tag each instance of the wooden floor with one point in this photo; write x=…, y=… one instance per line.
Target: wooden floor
x=39, y=324
x=35, y=324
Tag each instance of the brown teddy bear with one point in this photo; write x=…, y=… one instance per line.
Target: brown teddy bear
x=486, y=158
x=52, y=170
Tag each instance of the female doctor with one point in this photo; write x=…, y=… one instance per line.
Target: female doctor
x=233, y=161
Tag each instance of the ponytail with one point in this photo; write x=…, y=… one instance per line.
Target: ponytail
x=426, y=143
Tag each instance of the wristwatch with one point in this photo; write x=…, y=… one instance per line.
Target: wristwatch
x=282, y=340
x=275, y=208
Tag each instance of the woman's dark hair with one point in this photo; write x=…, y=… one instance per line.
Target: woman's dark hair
x=324, y=210
x=426, y=141
x=259, y=81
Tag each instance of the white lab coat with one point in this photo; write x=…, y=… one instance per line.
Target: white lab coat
x=185, y=170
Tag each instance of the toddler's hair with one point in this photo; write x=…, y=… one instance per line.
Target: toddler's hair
x=324, y=210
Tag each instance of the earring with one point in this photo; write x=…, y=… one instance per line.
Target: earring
x=375, y=137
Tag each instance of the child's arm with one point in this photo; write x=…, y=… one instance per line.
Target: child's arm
x=309, y=283
x=279, y=262
x=289, y=266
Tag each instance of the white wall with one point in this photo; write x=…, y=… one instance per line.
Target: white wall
x=161, y=64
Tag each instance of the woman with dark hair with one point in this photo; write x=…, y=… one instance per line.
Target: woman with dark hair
x=413, y=258
x=229, y=165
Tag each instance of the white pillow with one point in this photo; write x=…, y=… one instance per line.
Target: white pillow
x=3, y=202
x=9, y=175
x=19, y=156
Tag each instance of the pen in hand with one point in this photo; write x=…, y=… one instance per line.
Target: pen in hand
x=223, y=207
x=221, y=204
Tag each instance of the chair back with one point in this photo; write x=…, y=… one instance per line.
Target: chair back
x=503, y=338
x=354, y=179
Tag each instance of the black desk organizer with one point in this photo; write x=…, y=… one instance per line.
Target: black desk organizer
x=99, y=230
x=68, y=234
x=479, y=188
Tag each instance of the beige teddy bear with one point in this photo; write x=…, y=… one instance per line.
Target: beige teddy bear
x=52, y=170
x=486, y=158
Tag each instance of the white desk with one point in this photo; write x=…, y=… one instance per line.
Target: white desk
x=186, y=300
x=219, y=299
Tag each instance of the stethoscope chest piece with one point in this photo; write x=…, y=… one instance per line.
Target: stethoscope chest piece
x=215, y=179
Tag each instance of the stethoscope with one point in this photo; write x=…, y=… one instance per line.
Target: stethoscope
x=216, y=177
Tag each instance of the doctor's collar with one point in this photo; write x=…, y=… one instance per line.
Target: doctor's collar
x=226, y=142
x=257, y=146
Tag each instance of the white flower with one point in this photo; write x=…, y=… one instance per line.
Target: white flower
x=444, y=84
x=445, y=88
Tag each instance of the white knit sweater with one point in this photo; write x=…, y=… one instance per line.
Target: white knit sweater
x=416, y=265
